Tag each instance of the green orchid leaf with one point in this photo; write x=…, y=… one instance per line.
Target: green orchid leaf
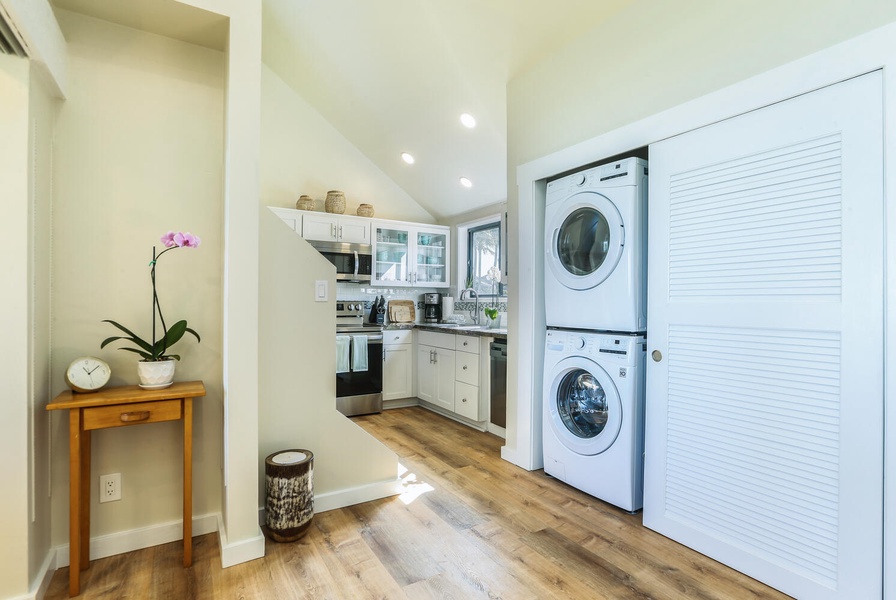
x=193, y=331
x=145, y=355
x=133, y=336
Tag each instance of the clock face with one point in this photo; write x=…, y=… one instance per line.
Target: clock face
x=87, y=374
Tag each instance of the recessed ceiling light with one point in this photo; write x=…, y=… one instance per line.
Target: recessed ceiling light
x=466, y=182
x=468, y=120
x=407, y=158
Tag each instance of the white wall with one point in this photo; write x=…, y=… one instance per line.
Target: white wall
x=43, y=109
x=139, y=153
x=301, y=153
x=14, y=319
x=297, y=382
x=649, y=58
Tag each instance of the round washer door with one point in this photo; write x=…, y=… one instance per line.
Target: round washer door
x=583, y=406
x=584, y=240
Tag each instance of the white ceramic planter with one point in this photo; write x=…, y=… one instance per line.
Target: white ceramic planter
x=156, y=374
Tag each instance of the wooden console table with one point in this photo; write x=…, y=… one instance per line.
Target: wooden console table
x=119, y=407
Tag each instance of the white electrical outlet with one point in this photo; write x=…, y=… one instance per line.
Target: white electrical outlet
x=110, y=487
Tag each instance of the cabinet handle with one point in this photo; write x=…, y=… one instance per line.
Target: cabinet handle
x=465, y=343
x=333, y=231
x=465, y=367
x=463, y=400
x=131, y=417
x=656, y=355
x=340, y=231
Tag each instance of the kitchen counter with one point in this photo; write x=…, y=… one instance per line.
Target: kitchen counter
x=475, y=330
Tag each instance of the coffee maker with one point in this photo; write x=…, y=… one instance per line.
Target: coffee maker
x=432, y=308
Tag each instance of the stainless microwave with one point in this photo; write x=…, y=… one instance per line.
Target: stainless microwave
x=353, y=262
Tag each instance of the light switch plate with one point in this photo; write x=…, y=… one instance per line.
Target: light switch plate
x=321, y=290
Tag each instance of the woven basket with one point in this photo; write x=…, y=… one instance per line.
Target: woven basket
x=365, y=210
x=335, y=202
x=305, y=203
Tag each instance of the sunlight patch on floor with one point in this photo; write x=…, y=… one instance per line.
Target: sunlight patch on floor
x=412, y=488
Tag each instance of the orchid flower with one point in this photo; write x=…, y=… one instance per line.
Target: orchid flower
x=156, y=350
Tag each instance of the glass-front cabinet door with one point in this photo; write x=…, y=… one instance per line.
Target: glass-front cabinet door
x=392, y=256
x=410, y=255
x=431, y=258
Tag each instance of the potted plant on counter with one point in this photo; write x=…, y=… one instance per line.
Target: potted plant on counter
x=156, y=369
x=491, y=312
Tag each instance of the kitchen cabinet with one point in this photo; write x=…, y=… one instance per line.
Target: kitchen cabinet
x=448, y=370
x=435, y=368
x=326, y=227
x=409, y=254
x=466, y=377
x=398, y=364
x=290, y=216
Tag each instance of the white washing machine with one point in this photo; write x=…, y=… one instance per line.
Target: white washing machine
x=594, y=414
x=595, y=248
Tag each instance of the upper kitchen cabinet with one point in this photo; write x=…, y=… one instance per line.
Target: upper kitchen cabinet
x=290, y=216
x=326, y=227
x=409, y=255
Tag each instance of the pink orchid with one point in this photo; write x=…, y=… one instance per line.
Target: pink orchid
x=180, y=240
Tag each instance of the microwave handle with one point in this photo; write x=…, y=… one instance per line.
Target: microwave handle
x=357, y=264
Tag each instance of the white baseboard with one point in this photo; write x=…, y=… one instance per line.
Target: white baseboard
x=350, y=496
x=136, y=539
x=477, y=425
x=400, y=403
x=497, y=430
x=41, y=582
x=238, y=552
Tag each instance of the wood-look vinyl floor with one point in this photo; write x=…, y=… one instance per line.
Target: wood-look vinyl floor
x=469, y=525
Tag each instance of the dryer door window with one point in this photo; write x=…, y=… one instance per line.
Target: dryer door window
x=583, y=405
x=584, y=240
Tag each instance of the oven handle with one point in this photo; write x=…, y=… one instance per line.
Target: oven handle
x=372, y=338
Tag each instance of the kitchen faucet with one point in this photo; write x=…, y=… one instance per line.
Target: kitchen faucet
x=464, y=294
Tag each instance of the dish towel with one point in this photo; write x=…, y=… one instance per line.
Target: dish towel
x=359, y=353
x=342, y=353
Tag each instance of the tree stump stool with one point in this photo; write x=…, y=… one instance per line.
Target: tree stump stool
x=289, y=501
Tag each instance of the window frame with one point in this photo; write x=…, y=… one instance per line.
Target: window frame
x=470, y=230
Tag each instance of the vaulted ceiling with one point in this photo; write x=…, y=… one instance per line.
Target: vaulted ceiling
x=394, y=76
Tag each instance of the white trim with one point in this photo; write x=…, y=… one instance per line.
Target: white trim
x=137, y=539
x=41, y=582
x=350, y=496
x=857, y=56
x=496, y=430
x=461, y=234
x=400, y=403
x=240, y=552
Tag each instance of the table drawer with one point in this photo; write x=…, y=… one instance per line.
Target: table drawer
x=119, y=415
x=468, y=343
x=466, y=368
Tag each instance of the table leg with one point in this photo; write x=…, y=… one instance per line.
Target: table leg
x=188, y=482
x=74, y=493
x=85, y=498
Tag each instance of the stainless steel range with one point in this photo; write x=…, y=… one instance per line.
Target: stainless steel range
x=359, y=360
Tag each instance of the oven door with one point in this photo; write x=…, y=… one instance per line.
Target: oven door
x=359, y=390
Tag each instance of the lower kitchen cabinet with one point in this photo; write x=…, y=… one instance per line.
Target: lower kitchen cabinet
x=398, y=364
x=435, y=376
x=448, y=370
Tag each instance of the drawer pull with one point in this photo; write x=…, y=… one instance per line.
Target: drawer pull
x=130, y=417
x=463, y=400
x=465, y=367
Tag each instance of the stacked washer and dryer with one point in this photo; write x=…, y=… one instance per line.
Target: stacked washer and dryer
x=596, y=314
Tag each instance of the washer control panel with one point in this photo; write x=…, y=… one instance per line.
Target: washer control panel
x=586, y=343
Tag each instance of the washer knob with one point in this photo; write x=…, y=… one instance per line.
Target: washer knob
x=580, y=179
x=578, y=343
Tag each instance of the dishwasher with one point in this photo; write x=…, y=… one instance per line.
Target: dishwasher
x=498, y=383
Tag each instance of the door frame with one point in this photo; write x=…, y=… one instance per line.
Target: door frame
x=868, y=52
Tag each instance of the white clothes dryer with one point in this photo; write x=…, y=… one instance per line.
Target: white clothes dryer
x=595, y=248
x=594, y=414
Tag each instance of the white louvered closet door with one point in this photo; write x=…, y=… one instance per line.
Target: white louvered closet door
x=764, y=445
